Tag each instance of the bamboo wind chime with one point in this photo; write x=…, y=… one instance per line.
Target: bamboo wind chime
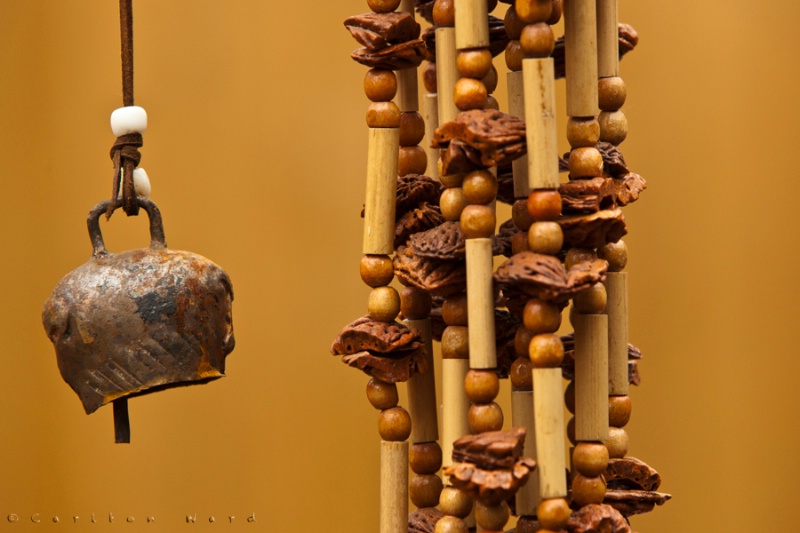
x=563, y=246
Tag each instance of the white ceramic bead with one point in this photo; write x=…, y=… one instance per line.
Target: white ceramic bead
x=141, y=183
x=130, y=119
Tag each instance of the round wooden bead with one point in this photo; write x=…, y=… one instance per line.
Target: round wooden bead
x=429, y=77
x=519, y=243
x=569, y=397
x=383, y=304
x=613, y=126
x=521, y=374
x=394, y=424
x=455, y=342
x=449, y=181
x=578, y=255
x=611, y=93
x=128, y=119
x=380, y=85
x=481, y=386
x=492, y=103
x=546, y=351
x=586, y=490
x=376, y=270
x=478, y=221
x=616, y=253
x=454, y=310
x=411, y=160
x=541, y=317
x=444, y=13
x=545, y=238
x=490, y=80
x=537, y=40
x=480, y=187
x=591, y=301
x=383, y=115
x=522, y=339
x=415, y=304
x=519, y=214
x=141, y=182
x=585, y=163
x=514, y=56
x=619, y=411
x=530, y=11
x=455, y=502
x=617, y=442
x=553, y=513
x=571, y=430
x=424, y=490
x=474, y=63
x=452, y=203
x=383, y=6
x=544, y=204
x=491, y=517
x=484, y=417
x=381, y=395
x=513, y=24
x=555, y=15
x=469, y=93
x=412, y=128
x=425, y=458
x=583, y=132
x=590, y=458
x=451, y=524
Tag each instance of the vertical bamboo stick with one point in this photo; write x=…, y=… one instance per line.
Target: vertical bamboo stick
x=549, y=416
x=430, y=113
x=617, y=291
x=446, y=73
x=607, y=39
x=481, y=304
x=522, y=416
x=455, y=405
x=471, y=28
x=394, y=487
x=540, y=121
x=422, y=391
x=407, y=89
x=580, y=35
x=379, y=207
x=516, y=107
x=591, y=377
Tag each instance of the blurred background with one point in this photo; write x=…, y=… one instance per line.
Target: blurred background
x=256, y=149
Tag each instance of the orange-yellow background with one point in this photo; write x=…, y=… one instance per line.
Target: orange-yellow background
x=256, y=150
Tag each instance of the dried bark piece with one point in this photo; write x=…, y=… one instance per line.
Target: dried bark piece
x=541, y=276
x=459, y=158
x=502, y=239
x=490, y=450
x=628, y=187
x=505, y=184
x=498, y=136
x=491, y=486
x=585, y=274
x=445, y=241
x=593, y=230
x=396, y=368
x=376, y=31
x=439, y=277
x=631, y=473
x=396, y=57
x=634, y=377
x=628, y=39
x=424, y=520
x=366, y=334
x=631, y=502
x=588, y=196
x=597, y=518
x=614, y=163
x=505, y=328
x=425, y=9
x=413, y=190
x=424, y=218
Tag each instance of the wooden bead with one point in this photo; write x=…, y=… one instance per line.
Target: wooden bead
x=411, y=160
x=485, y=417
x=455, y=342
x=412, y=128
x=454, y=310
x=569, y=397
x=513, y=24
x=480, y=187
x=383, y=6
x=545, y=238
x=383, y=304
x=541, y=317
x=376, y=270
x=544, y=204
x=490, y=80
x=394, y=424
x=469, y=93
x=481, y=386
x=558, y=10
x=546, y=351
x=613, y=126
x=383, y=115
x=590, y=458
x=491, y=517
x=586, y=490
x=619, y=410
x=478, y=221
x=380, y=85
x=492, y=103
x=514, y=56
x=583, y=132
x=455, y=502
x=571, y=430
x=616, y=253
x=415, y=304
x=449, y=181
x=553, y=513
x=424, y=490
x=381, y=395
x=522, y=339
x=474, y=63
x=519, y=214
x=578, y=255
x=530, y=11
x=429, y=77
x=425, y=458
x=617, y=442
x=444, y=13
x=591, y=301
x=611, y=93
x=521, y=374
x=537, y=40
x=585, y=162
x=452, y=203
x=519, y=243
x=450, y=524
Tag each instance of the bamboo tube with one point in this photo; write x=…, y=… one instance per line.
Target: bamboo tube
x=472, y=28
x=480, y=304
x=379, y=206
x=607, y=39
x=447, y=73
x=617, y=307
x=516, y=107
x=430, y=113
x=591, y=377
x=540, y=121
x=548, y=413
x=394, y=487
x=455, y=405
x=422, y=391
x=522, y=416
x=580, y=34
x=407, y=92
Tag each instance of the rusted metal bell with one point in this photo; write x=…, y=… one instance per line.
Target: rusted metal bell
x=139, y=321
